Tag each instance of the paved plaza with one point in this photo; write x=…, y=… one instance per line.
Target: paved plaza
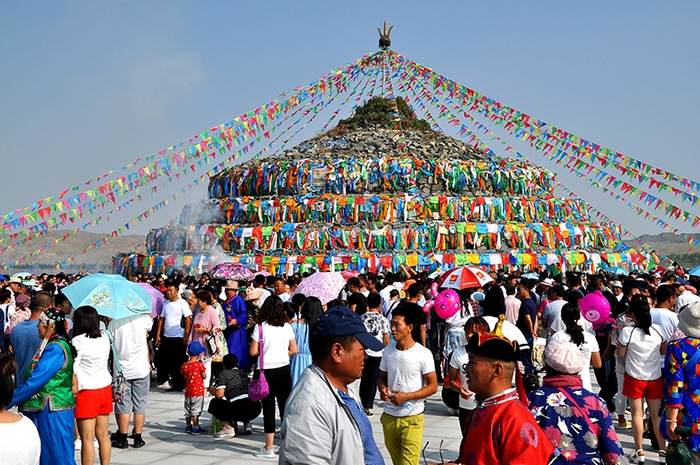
x=167, y=444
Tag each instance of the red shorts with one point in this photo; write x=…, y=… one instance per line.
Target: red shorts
x=89, y=403
x=638, y=389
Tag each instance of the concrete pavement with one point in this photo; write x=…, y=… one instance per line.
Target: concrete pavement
x=167, y=444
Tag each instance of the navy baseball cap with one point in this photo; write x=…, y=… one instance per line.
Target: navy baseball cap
x=341, y=321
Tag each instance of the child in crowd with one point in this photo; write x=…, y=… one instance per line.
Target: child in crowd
x=194, y=373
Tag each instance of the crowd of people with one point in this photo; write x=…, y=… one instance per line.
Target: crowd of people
x=245, y=348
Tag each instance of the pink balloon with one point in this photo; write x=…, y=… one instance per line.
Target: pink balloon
x=594, y=307
x=434, y=288
x=447, y=303
x=428, y=305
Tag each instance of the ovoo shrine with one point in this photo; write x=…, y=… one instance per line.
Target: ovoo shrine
x=361, y=199
x=383, y=188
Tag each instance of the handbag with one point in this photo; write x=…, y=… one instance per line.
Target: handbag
x=211, y=343
x=120, y=386
x=258, y=388
x=677, y=453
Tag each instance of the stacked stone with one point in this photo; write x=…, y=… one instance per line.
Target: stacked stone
x=357, y=201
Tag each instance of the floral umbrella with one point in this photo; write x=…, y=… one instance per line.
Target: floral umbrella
x=111, y=295
x=229, y=270
x=325, y=286
x=464, y=277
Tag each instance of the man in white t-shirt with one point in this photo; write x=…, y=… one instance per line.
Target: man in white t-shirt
x=130, y=343
x=406, y=377
x=174, y=324
x=552, y=310
x=663, y=315
x=259, y=285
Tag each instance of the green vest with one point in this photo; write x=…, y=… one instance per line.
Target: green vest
x=57, y=394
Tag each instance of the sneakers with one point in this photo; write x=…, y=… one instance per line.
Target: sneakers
x=198, y=430
x=188, y=430
x=138, y=441
x=226, y=433
x=247, y=428
x=78, y=444
x=624, y=424
x=119, y=441
x=265, y=453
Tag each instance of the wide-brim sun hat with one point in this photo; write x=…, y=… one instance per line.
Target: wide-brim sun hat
x=689, y=319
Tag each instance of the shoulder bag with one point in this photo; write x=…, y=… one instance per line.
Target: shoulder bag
x=120, y=386
x=258, y=388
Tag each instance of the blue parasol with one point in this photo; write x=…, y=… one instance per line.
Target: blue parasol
x=695, y=271
x=111, y=295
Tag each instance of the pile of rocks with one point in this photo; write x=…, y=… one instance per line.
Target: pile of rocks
x=376, y=143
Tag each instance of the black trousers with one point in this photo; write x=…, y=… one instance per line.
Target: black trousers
x=244, y=410
x=172, y=355
x=368, y=383
x=607, y=380
x=280, y=382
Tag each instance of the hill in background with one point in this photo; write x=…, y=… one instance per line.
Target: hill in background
x=70, y=252
x=675, y=247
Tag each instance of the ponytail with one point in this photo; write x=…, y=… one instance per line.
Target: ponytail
x=641, y=312
x=570, y=314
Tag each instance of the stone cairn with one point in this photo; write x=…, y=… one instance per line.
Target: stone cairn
x=373, y=199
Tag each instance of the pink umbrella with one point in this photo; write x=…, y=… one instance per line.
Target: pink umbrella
x=157, y=299
x=261, y=273
x=347, y=274
x=464, y=277
x=229, y=270
x=325, y=286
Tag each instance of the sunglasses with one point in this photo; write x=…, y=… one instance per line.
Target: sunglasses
x=425, y=461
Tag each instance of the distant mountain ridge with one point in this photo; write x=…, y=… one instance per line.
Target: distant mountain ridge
x=669, y=243
x=71, y=250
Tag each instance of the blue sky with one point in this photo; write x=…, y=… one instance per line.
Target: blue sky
x=90, y=86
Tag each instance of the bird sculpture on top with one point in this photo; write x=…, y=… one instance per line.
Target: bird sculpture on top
x=384, y=39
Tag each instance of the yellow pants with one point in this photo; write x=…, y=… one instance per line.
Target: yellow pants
x=403, y=438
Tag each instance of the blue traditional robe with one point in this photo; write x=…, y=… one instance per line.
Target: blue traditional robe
x=235, y=309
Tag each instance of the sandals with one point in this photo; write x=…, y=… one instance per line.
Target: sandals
x=662, y=456
x=638, y=456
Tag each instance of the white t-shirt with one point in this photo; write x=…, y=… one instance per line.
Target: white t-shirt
x=7, y=311
x=461, y=317
x=130, y=342
x=590, y=345
x=667, y=320
x=20, y=443
x=275, y=344
x=643, y=361
x=263, y=297
x=551, y=313
x=91, y=362
x=385, y=293
x=459, y=360
x=173, y=313
x=405, y=371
